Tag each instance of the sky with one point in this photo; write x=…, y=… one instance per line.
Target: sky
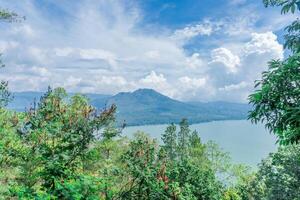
x=190, y=50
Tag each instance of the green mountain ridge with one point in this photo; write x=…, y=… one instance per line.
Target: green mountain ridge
x=147, y=106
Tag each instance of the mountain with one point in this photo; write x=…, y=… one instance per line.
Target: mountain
x=146, y=106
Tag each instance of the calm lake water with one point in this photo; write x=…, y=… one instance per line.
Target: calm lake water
x=246, y=143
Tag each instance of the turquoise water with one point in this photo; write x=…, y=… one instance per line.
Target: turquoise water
x=247, y=143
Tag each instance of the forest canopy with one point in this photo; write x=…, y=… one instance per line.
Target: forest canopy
x=64, y=148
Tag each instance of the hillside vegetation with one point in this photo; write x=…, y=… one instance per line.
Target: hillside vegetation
x=62, y=147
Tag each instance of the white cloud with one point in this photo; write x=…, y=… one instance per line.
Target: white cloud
x=192, y=83
x=63, y=52
x=100, y=46
x=38, y=54
x=24, y=29
x=113, y=80
x=153, y=78
x=262, y=43
x=98, y=54
x=204, y=28
x=157, y=82
x=194, y=61
x=7, y=45
x=231, y=87
x=71, y=82
x=40, y=71
x=227, y=58
x=152, y=54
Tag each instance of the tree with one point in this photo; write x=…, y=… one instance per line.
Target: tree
x=143, y=170
x=154, y=175
x=104, y=157
x=9, y=16
x=278, y=176
x=10, y=146
x=292, y=38
x=169, y=138
x=276, y=100
x=5, y=95
x=183, y=139
x=187, y=180
x=197, y=150
x=57, y=135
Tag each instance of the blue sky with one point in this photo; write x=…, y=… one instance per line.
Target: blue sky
x=192, y=50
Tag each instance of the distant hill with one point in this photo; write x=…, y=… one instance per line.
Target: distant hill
x=146, y=106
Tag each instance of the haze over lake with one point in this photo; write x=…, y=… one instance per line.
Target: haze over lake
x=247, y=143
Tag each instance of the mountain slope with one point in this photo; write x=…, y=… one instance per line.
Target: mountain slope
x=146, y=106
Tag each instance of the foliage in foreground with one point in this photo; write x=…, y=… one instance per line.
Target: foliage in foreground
x=276, y=101
x=65, y=149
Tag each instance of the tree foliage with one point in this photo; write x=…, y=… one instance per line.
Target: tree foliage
x=5, y=95
x=56, y=136
x=277, y=101
x=277, y=178
x=63, y=148
x=9, y=16
x=277, y=98
x=280, y=174
x=170, y=141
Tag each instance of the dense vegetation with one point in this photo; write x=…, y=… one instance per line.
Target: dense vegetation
x=277, y=98
x=63, y=148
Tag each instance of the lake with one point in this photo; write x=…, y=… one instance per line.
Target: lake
x=247, y=143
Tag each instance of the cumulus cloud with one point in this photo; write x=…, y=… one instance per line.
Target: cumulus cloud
x=227, y=58
x=194, y=61
x=153, y=78
x=100, y=46
x=158, y=82
x=264, y=43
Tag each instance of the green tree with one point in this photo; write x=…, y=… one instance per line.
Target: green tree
x=5, y=95
x=109, y=168
x=187, y=180
x=276, y=100
x=9, y=16
x=143, y=169
x=219, y=160
x=183, y=139
x=278, y=177
x=10, y=146
x=57, y=135
x=292, y=39
x=197, y=150
x=169, y=139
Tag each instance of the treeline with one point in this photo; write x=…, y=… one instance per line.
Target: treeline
x=63, y=148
